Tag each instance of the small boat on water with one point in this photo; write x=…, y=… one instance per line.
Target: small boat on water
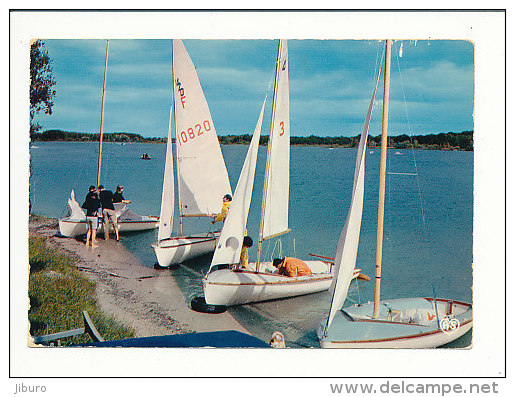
x=145, y=156
x=74, y=224
x=396, y=323
x=202, y=178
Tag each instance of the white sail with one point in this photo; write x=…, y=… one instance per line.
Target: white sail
x=168, y=195
x=278, y=178
x=347, y=249
x=201, y=168
x=76, y=212
x=229, y=245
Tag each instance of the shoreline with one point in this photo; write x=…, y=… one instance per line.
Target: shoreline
x=146, y=299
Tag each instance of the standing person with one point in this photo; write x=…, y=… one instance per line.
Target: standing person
x=292, y=267
x=91, y=205
x=226, y=204
x=106, y=200
x=244, y=256
x=118, y=196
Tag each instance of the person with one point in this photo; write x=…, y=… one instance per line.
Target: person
x=106, y=201
x=244, y=256
x=91, y=205
x=226, y=204
x=118, y=196
x=292, y=267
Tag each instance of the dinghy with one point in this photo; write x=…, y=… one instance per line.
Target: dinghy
x=261, y=281
x=202, y=178
x=396, y=323
x=74, y=224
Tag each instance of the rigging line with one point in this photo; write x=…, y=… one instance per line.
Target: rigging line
x=401, y=173
x=357, y=288
x=412, y=147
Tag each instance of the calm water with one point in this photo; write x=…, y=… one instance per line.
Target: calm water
x=428, y=226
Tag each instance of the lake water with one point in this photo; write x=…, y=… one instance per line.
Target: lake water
x=428, y=224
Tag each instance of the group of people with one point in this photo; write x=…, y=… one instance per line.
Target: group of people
x=290, y=267
x=100, y=202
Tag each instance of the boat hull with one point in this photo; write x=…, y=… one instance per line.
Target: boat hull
x=239, y=287
x=176, y=250
x=411, y=323
x=75, y=228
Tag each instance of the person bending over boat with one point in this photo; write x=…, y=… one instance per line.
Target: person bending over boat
x=118, y=196
x=226, y=203
x=292, y=267
x=91, y=205
x=106, y=201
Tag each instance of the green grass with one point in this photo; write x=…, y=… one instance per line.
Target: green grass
x=58, y=294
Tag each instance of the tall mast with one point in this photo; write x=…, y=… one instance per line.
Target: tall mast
x=382, y=179
x=176, y=146
x=267, y=170
x=102, y=119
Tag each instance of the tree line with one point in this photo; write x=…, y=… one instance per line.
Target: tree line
x=443, y=141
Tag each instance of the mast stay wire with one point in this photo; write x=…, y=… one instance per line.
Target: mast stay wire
x=424, y=226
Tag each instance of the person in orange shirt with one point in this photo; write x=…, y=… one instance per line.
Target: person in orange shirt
x=292, y=267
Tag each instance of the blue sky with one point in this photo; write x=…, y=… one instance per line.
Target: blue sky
x=331, y=82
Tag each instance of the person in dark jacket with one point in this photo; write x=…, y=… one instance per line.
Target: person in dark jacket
x=91, y=205
x=106, y=200
x=118, y=196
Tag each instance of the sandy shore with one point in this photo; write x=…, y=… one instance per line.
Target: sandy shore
x=148, y=300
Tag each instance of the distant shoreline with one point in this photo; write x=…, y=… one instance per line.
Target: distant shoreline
x=451, y=141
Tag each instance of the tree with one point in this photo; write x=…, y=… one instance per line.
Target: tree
x=41, y=83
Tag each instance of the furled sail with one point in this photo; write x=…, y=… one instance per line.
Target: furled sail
x=201, y=168
x=76, y=212
x=229, y=244
x=168, y=195
x=278, y=176
x=347, y=249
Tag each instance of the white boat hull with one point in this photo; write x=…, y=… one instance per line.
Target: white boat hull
x=409, y=323
x=73, y=228
x=176, y=250
x=239, y=287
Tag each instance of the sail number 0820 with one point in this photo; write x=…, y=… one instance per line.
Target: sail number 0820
x=193, y=132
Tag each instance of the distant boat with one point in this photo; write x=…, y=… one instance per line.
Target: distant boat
x=74, y=224
x=397, y=153
x=396, y=323
x=145, y=156
x=202, y=178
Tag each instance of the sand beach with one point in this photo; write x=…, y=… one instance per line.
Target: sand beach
x=146, y=299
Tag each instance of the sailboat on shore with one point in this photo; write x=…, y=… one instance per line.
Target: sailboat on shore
x=74, y=224
x=425, y=322
x=224, y=286
x=202, y=178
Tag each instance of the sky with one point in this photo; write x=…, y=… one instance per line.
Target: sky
x=331, y=83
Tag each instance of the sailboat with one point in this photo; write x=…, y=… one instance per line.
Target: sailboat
x=261, y=281
x=202, y=178
x=74, y=224
x=425, y=322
